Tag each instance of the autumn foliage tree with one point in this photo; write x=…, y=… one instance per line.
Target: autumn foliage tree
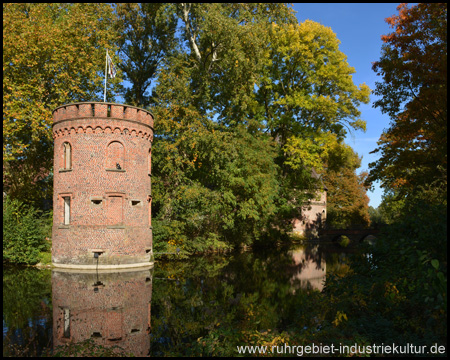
x=348, y=203
x=52, y=54
x=306, y=88
x=413, y=66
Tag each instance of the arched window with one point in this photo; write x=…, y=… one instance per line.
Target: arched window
x=67, y=156
x=115, y=156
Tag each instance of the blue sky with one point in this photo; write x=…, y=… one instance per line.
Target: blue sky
x=359, y=28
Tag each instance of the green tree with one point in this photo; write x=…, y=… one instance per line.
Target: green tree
x=376, y=216
x=307, y=100
x=217, y=183
x=413, y=66
x=215, y=187
x=52, y=54
x=146, y=35
x=392, y=206
x=226, y=53
x=307, y=87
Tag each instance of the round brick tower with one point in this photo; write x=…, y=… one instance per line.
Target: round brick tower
x=102, y=186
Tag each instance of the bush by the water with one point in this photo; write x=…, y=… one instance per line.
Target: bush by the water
x=399, y=292
x=25, y=230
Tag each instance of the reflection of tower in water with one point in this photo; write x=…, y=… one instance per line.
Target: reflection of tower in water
x=112, y=309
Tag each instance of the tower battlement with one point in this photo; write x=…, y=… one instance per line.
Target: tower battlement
x=102, y=111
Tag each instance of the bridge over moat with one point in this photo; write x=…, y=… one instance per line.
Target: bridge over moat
x=355, y=235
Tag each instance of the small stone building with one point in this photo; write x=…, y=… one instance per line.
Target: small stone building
x=313, y=213
x=102, y=186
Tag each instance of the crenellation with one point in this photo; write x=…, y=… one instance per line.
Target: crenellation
x=62, y=113
x=101, y=110
x=71, y=111
x=131, y=113
x=117, y=111
x=85, y=110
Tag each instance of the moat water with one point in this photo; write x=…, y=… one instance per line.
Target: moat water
x=163, y=310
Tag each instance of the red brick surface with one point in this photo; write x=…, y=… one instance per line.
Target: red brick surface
x=119, y=224
x=114, y=312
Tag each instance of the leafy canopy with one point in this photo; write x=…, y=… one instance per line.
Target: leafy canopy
x=52, y=54
x=413, y=66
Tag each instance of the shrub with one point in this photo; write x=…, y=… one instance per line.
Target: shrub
x=24, y=232
x=344, y=241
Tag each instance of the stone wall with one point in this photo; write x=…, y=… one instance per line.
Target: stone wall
x=314, y=215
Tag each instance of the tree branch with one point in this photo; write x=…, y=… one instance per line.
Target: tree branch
x=190, y=34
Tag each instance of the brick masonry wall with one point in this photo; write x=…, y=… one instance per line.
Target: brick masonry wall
x=115, y=312
x=109, y=207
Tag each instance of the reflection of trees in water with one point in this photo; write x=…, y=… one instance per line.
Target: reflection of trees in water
x=27, y=312
x=247, y=291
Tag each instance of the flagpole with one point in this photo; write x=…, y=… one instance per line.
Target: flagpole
x=106, y=73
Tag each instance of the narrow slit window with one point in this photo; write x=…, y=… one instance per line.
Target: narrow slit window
x=135, y=202
x=66, y=314
x=67, y=159
x=96, y=201
x=66, y=210
x=150, y=211
x=150, y=162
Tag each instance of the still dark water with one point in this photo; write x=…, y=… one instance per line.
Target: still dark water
x=161, y=311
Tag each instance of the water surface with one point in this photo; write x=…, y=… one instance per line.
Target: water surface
x=164, y=310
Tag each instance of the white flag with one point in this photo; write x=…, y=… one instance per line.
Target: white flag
x=112, y=69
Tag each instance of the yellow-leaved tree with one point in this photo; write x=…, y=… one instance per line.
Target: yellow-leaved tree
x=52, y=54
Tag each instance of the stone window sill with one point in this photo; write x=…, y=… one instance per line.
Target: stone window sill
x=63, y=227
x=116, y=170
x=64, y=170
x=115, y=226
